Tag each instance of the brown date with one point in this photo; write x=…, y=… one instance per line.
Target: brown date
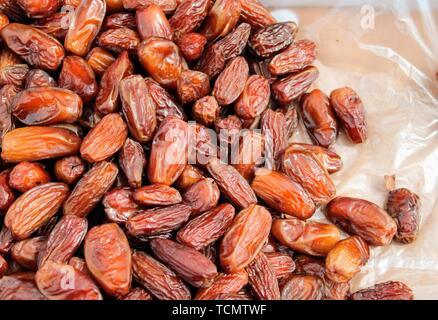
x=302, y=287
x=132, y=161
x=4, y=266
x=311, y=237
x=38, y=8
x=212, y=61
x=4, y=21
x=274, y=130
x=254, y=99
x=224, y=283
x=306, y=169
x=192, y=86
x=298, y=56
x=206, y=228
x=351, y=113
x=107, y=100
x=282, y=264
x=221, y=19
x=27, y=175
x=331, y=161
x=90, y=189
x=232, y=184
x=169, y=151
x=14, y=74
x=189, y=177
x=119, y=205
x=54, y=25
x=105, y=139
x=157, y=195
x=162, y=59
x=250, y=154
x=262, y=279
x=346, y=259
x=192, y=45
x=404, y=206
x=34, y=46
x=84, y=26
x=188, y=16
x=189, y=264
x=363, y=218
x=234, y=43
x=114, y=5
x=19, y=286
x=39, y=78
x=272, y=39
x=6, y=240
x=118, y=40
x=282, y=194
x=25, y=252
x=7, y=94
x=45, y=106
x=120, y=20
x=256, y=14
x=202, y=196
x=64, y=240
x=79, y=264
x=99, y=60
x=77, y=76
x=319, y=118
x=231, y=82
x=12, y=9
x=206, y=111
x=108, y=258
x=228, y=129
x=245, y=238
x=391, y=290
x=70, y=169
x=137, y=294
x=167, y=6
x=151, y=21
x=138, y=108
x=161, y=282
x=291, y=115
x=34, y=208
x=158, y=220
x=7, y=196
x=59, y=281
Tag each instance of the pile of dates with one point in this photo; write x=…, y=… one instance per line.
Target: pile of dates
x=103, y=104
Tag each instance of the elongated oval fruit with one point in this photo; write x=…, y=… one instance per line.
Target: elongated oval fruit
x=346, y=259
x=391, y=290
x=38, y=143
x=34, y=208
x=302, y=287
x=256, y=14
x=202, y=196
x=282, y=194
x=245, y=239
x=224, y=283
x=331, y=161
x=313, y=238
x=262, y=278
x=163, y=283
x=47, y=105
x=221, y=19
x=157, y=195
x=169, y=151
x=132, y=161
x=25, y=252
x=188, y=16
x=35, y=47
x=362, y=218
x=59, y=281
x=84, y=26
x=105, y=139
x=19, y=286
x=151, y=21
x=119, y=205
x=108, y=258
x=254, y=98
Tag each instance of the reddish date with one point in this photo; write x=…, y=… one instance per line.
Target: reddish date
x=231, y=82
x=132, y=161
x=257, y=15
x=224, y=284
x=391, y=290
x=262, y=279
x=70, y=169
x=19, y=286
x=39, y=78
x=302, y=287
x=7, y=196
x=151, y=21
x=27, y=175
x=99, y=60
x=25, y=252
x=157, y=195
x=119, y=205
x=192, y=45
x=298, y=56
x=192, y=86
x=188, y=16
x=202, y=196
x=118, y=40
x=221, y=19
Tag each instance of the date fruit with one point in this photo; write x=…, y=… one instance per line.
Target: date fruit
x=192, y=45
x=25, y=252
x=298, y=56
x=254, y=99
x=132, y=161
x=99, y=60
x=192, y=86
x=151, y=21
x=272, y=39
x=27, y=175
x=231, y=82
x=302, y=287
x=221, y=19
x=157, y=195
x=262, y=279
x=119, y=205
x=391, y=290
x=188, y=16
x=256, y=14
x=224, y=284
x=202, y=196
x=70, y=169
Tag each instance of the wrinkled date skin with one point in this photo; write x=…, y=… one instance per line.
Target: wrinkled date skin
x=262, y=278
x=221, y=19
x=84, y=26
x=391, y=290
x=234, y=43
x=107, y=99
x=306, y=169
x=45, y=106
x=309, y=237
x=64, y=240
x=274, y=130
x=232, y=184
x=120, y=39
x=362, y=218
x=120, y=20
x=7, y=94
x=231, y=82
x=15, y=74
x=189, y=264
x=167, y=6
x=331, y=161
x=254, y=13
x=206, y=111
x=70, y=169
x=192, y=45
x=132, y=161
x=27, y=175
x=138, y=108
x=38, y=143
x=119, y=205
x=39, y=8
x=108, y=258
x=161, y=282
x=212, y=61
x=192, y=85
x=34, y=208
x=151, y=21
x=282, y=264
x=245, y=239
x=25, y=252
x=282, y=194
x=7, y=195
x=158, y=220
x=19, y=286
x=224, y=284
x=298, y=56
x=250, y=154
x=319, y=118
x=404, y=206
x=34, y=46
x=254, y=99
x=162, y=59
x=189, y=177
x=188, y=16
x=206, y=228
x=51, y=278
x=53, y=25
x=6, y=240
x=169, y=151
x=77, y=76
x=272, y=39
x=99, y=60
x=302, y=287
x=346, y=259
x=137, y=294
x=351, y=113
x=39, y=78
x=3, y=266
x=105, y=139
x=202, y=196
x=90, y=189
x=157, y=195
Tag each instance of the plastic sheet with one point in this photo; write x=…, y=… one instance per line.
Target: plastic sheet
x=392, y=65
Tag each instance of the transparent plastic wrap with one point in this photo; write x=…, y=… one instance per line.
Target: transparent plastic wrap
x=387, y=51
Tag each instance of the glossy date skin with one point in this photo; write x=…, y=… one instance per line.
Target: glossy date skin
x=331, y=161
x=70, y=169
x=151, y=21
x=119, y=205
x=27, y=175
x=132, y=161
x=25, y=252
x=391, y=290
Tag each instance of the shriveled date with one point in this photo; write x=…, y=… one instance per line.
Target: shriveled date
x=224, y=284
x=231, y=82
x=302, y=287
x=262, y=278
x=391, y=290
x=119, y=205
x=272, y=39
x=132, y=161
